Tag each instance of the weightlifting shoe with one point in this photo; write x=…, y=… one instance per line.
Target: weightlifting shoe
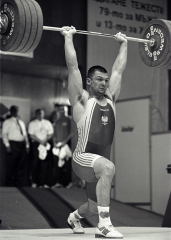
x=75, y=224
x=107, y=232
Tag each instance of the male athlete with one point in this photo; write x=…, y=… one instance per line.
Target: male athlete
x=94, y=114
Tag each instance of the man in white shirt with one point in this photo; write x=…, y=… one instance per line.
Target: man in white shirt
x=16, y=143
x=40, y=131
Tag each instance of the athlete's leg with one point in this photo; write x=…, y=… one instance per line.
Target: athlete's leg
x=83, y=209
x=92, y=198
x=90, y=207
x=101, y=171
x=104, y=172
x=87, y=209
x=74, y=218
x=99, y=177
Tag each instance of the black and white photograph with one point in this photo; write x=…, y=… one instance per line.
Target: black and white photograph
x=85, y=119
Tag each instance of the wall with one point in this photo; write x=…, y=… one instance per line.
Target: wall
x=29, y=87
x=161, y=180
x=132, y=152
x=140, y=158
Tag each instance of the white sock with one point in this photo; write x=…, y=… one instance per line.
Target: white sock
x=104, y=216
x=76, y=214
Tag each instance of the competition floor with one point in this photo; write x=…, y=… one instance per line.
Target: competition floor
x=131, y=233
x=44, y=216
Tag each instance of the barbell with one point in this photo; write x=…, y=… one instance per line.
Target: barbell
x=21, y=27
x=99, y=34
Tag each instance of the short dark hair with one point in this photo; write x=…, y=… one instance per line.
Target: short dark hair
x=38, y=111
x=92, y=70
x=13, y=110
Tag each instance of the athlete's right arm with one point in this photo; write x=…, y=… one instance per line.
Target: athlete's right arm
x=75, y=85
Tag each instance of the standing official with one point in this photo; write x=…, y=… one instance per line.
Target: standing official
x=16, y=143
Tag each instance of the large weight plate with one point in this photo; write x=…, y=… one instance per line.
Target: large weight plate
x=12, y=38
x=27, y=27
x=33, y=29
x=159, y=54
x=40, y=24
x=37, y=26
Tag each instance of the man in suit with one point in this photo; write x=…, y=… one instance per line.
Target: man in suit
x=16, y=143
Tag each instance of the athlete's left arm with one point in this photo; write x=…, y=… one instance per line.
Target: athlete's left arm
x=118, y=67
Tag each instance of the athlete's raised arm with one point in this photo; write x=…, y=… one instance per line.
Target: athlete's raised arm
x=75, y=86
x=118, y=67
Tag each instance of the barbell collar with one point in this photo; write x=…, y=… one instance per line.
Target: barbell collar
x=57, y=29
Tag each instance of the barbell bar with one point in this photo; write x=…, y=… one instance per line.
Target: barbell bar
x=99, y=34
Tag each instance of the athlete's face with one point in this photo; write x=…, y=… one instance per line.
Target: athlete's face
x=99, y=82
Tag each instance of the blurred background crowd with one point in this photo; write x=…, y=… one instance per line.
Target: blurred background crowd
x=37, y=154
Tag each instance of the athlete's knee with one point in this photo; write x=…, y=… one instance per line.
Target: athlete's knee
x=104, y=167
x=109, y=168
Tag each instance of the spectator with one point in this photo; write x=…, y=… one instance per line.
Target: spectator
x=40, y=131
x=61, y=150
x=16, y=143
x=54, y=115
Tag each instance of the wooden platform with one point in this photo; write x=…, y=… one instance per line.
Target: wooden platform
x=130, y=233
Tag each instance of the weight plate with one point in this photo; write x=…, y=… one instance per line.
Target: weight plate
x=38, y=21
x=13, y=35
x=27, y=26
x=33, y=29
x=168, y=64
x=159, y=53
x=40, y=25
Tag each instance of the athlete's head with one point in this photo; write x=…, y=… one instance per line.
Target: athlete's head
x=97, y=80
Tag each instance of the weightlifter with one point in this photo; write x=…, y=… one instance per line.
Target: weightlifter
x=94, y=114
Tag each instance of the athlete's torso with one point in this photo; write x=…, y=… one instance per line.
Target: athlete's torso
x=96, y=128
